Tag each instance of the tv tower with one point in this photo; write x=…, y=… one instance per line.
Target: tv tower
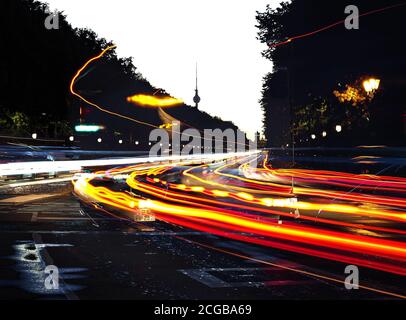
x=196, y=98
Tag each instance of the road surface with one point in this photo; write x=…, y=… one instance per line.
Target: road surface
x=224, y=230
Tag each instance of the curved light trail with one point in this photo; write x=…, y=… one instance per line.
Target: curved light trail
x=79, y=72
x=211, y=204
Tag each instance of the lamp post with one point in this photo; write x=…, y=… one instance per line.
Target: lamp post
x=371, y=85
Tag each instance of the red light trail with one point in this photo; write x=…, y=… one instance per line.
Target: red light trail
x=308, y=34
x=224, y=209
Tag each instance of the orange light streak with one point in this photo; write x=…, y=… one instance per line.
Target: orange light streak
x=153, y=101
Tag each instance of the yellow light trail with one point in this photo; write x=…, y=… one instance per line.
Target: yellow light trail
x=126, y=202
x=348, y=209
x=287, y=203
x=153, y=101
x=193, y=213
x=188, y=173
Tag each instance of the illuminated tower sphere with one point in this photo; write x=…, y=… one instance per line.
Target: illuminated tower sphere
x=196, y=98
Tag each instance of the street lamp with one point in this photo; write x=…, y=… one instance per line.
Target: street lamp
x=88, y=128
x=137, y=143
x=120, y=141
x=370, y=85
x=34, y=136
x=313, y=136
x=338, y=128
x=71, y=138
x=99, y=140
x=324, y=134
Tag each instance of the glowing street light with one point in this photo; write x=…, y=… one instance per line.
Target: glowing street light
x=120, y=141
x=137, y=143
x=88, y=128
x=313, y=136
x=34, y=136
x=371, y=85
x=338, y=128
x=324, y=134
x=71, y=138
x=99, y=140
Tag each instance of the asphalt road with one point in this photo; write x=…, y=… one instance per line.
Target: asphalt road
x=99, y=257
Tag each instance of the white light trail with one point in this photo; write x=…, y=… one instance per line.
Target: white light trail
x=22, y=168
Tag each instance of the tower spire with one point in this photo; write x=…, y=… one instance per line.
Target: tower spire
x=196, y=98
x=196, y=75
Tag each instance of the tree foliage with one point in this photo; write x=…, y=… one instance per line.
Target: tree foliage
x=315, y=66
x=37, y=65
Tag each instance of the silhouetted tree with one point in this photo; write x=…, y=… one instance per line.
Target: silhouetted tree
x=37, y=65
x=314, y=67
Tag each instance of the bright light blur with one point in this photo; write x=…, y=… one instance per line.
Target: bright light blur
x=371, y=85
x=199, y=207
x=21, y=168
x=88, y=128
x=152, y=101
